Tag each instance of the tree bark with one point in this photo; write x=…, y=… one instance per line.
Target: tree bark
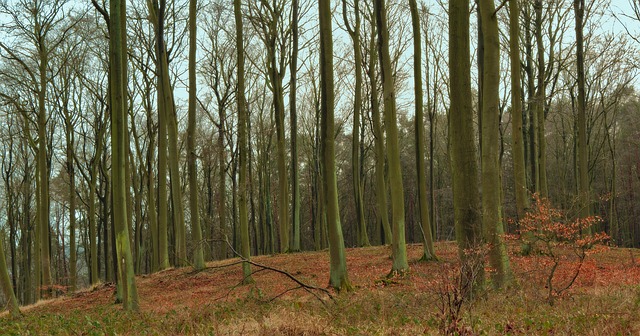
x=338, y=277
x=118, y=86
x=519, y=170
x=583, y=149
x=295, y=185
x=196, y=230
x=245, y=246
x=491, y=175
x=381, y=184
x=462, y=147
x=399, y=248
x=428, y=252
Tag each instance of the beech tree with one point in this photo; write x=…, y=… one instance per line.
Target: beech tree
x=118, y=96
x=338, y=277
x=245, y=248
x=462, y=146
x=5, y=283
x=196, y=230
x=399, y=249
x=492, y=220
x=354, y=32
x=427, y=233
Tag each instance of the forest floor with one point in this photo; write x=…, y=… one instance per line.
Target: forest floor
x=604, y=300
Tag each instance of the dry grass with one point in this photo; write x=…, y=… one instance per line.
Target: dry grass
x=179, y=301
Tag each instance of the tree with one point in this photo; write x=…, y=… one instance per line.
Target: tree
x=338, y=277
x=423, y=197
x=354, y=32
x=269, y=24
x=293, y=85
x=491, y=176
x=399, y=248
x=243, y=116
x=583, y=169
x=379, y=149
x=118, y=95
x=540, y=106
x=5, y=283
x=519, y=170
x=462, y=146
x=196, y=231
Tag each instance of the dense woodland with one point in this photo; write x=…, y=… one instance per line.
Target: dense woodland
x=142, y=135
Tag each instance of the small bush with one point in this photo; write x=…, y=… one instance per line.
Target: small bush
x=549, y=233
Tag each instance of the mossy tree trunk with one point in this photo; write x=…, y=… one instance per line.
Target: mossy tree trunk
x=118, y=93
x=491, y=175
x=428, y=252
x=5, y=283
x=338, y=277
x=462, y=146
x=398, y=246
x=196, y=230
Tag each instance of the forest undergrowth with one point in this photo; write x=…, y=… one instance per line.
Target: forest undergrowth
x=603, y=300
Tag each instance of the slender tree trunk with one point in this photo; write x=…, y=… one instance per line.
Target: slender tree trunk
x=362, y=237
x=532, y=146
x=338, y=277
x=428, y=252
x=196, y=230
x=540, y=104
x=222, y=192
x=283, y=191
x=72, y=201
x=118, y=86
x=43, y=169
x=583, y=173
x=295, y=183
x=151, y=198
x=491, y=184
x=243, y=116
x=174, y=171
x=381, y=184
x=519, y=170
x=399, y=248
x=156, y=16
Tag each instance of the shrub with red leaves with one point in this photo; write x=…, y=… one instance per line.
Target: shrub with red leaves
x=550, y=233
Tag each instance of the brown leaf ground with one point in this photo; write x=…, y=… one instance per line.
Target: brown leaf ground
x=177, y=301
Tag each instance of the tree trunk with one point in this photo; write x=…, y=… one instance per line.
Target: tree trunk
x=196, y=230
x=491, y=170
x=295, y=185
x=540, y=105
x=361, y=228
x=338, y=277
x=245, y=246
x=583, y=173
x=381, y=184
x=5, y=283
x=43, y=169
x=462, y=148
x=399, y=248
x=163, y=212
x=519, y=170
x=117, y=61
x=428, y=252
